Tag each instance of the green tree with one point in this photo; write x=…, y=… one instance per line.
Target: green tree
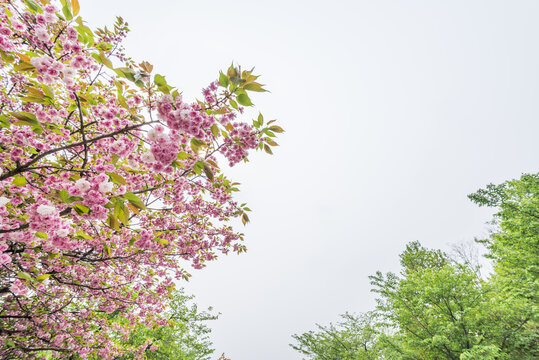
x=432, y=307
x=438, y=308
x=514, y=249
x=184, y=337
x=353, y=338
x=441, y=309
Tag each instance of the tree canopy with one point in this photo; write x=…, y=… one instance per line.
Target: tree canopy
x=440, y=308
x=110, y=183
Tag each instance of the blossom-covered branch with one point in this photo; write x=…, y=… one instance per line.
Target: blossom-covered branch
x=88, y=140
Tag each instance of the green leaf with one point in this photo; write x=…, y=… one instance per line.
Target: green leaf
x=135, y=200
x=208, y=172
x=223, y=79
x=268, y=149
x=254, y=87
x=232, y=71
x=64, y=196
x=271, y=142
x=124, y=215
x=102, y=59
x=114, y=159
x=276, y=129
x=37, y=130
x=162, y=241
x=182, y=155
x=34, y=7
x=244, y=100
x=107, y=249
x=233, y=103
x=67, y=12
x=268, y=132
x=84, y=236
x=113, y=222
x=195, y=145
x=215, y=130
x=81, y=209
x=4, y=121
x=24, y=275
x=126, y=73
x=131, y=197
x=117, y=178
x=159, y=80
x=6, y=57
x=19, y=181
x=22, y=66
x=25, y=118
x=85, y=32
x=43, y=277
x=199, y=166
x=48, y=91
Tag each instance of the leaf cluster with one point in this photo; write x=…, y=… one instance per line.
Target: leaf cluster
x=438, y=308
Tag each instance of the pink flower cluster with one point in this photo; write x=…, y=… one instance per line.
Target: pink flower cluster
x=49, y=68
x=19, y=288
x=165, y=150
x=5, y=43
x=123, y=146
x=94, y=194
x=242, y=138
x=4, y=258
x=44, y=218
x=135, y=212
x=210, y=91
x=72, y=43
x=22, y=138
x=48, y=16
x=186, y=118
x=146, y=240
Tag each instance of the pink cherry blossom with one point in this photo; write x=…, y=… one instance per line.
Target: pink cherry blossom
x=111, y=187
x=5, y=259
x=19, y=288
x=42, y=33
x=83, y=185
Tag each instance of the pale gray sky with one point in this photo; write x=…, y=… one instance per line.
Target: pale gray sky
x=394, y=112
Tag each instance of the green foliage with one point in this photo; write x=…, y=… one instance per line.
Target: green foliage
x=353, y=338
x=515, y=251
x=436, y=307
x=515, y=248
x=185, y=337
x=440, y=309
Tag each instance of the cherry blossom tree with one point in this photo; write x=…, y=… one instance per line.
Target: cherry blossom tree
x=110, y=182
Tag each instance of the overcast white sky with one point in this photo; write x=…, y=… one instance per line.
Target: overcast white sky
x=394, y=112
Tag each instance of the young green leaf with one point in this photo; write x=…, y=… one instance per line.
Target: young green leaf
x=223, y=80
x=244, y=100
x=159, y=80
x=19, y=181
x=268, y=149
x=208, y=172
